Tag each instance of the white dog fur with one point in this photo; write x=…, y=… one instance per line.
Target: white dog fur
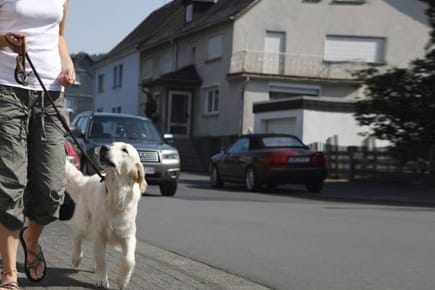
x=106, y=211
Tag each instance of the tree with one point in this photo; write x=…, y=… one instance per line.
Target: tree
x=400, y=102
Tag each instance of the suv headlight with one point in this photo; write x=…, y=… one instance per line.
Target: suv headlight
x=170, y=156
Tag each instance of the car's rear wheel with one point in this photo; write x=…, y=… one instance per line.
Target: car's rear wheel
x=215, y=179
x=168, y=188
x=251, y=180
x=315, y=186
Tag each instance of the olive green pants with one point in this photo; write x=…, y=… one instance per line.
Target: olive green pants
x=32, y=157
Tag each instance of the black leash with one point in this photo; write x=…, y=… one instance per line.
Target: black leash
x=21, y=78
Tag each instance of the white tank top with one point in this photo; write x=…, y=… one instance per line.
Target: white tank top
x=39, y=21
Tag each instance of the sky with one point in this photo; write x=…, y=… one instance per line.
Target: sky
x=96, y=26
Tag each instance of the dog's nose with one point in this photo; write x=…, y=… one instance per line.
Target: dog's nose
x=104, y=148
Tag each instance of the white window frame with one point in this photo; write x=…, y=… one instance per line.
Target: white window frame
x=212, y=100
x=214, y=46
x=379, y=54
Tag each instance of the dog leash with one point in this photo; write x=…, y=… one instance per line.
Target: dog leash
x=21, y=78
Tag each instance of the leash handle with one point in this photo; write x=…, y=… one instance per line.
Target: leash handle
x=16, y=41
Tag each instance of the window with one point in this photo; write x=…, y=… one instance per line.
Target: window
x=147, y=68
x=241, y=145
x=212, y=101
x=189, y=13
x=352, y=48
x=166, y=61
x=117, y=109
x=214, y=47
x=117, y=76
x=120, y=75
x=101, y=83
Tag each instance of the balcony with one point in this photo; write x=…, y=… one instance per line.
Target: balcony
x=292, y=65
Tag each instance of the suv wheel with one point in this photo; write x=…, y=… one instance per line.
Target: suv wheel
x=169, y=188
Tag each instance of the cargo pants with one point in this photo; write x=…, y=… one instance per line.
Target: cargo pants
x=32, y=157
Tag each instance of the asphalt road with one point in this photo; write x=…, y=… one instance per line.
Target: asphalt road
x=287, y=239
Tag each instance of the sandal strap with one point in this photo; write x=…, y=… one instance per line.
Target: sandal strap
x=39, y=258
x=9, y=286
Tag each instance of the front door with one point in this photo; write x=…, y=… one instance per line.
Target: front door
x=179, y=113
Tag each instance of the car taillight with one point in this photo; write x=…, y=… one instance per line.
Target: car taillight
x=274, y=159
x=71, y=154
x=318, y=158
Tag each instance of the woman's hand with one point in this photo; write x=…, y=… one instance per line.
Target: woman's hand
x=15, y=42
x=67, y=76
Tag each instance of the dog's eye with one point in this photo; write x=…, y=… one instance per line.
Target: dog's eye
x=124, y=150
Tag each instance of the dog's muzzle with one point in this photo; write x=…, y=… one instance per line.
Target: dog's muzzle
x=104, y=156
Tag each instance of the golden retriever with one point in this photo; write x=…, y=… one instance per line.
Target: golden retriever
x=106, y=211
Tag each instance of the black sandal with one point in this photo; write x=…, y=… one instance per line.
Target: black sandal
x=39, y=258
x=9, y=286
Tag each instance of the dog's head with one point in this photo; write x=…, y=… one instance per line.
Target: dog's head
x=122, y=159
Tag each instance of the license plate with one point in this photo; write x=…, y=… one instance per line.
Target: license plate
x=297, y=159
x=149, y=170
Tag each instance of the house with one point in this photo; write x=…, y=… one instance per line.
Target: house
x=79, y=97
x=209, y=70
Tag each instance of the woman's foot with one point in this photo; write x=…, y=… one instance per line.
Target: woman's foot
x=9, y=280
x=34, y=263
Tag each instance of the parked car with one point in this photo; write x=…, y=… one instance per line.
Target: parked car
x=270, y=160
x=161, y=161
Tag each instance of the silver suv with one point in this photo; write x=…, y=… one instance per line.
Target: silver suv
x=160, y=160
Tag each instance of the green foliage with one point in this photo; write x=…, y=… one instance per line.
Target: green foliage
x=400, y=103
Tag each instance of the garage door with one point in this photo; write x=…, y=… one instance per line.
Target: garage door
x=285, y=125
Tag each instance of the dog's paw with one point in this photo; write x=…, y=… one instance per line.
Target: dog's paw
x=102, y=284
x=122, y=283
x=76, y=260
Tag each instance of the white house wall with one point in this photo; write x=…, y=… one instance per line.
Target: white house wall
x=307, y=23
x=125, y=96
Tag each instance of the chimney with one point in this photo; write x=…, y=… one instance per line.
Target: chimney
x=194, y=8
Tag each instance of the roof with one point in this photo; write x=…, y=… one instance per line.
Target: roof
x=167, y=23
x=184, y=76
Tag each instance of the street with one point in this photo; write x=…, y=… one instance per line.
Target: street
x=288, y=239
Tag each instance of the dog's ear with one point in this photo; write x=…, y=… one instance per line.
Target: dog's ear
x=139, y=177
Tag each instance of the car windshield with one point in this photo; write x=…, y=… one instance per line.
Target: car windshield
x=280, y=141
x=117, y=128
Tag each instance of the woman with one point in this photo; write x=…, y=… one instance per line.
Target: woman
x=32, y=153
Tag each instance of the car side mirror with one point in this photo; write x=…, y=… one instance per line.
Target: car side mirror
x=76, y=132
x=169, y=138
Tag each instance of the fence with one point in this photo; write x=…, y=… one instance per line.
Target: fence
x=353, y=162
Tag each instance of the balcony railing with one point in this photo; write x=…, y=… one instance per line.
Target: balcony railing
x=292, y=65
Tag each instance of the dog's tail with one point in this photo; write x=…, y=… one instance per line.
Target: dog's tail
x=75, y=181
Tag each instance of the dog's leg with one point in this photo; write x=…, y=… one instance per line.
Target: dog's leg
x=77, y=252
x=100, y=261
x=128, y=261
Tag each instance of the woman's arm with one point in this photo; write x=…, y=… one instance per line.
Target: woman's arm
x=67, y=75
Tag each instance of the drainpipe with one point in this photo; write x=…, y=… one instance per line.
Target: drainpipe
x=242, y=104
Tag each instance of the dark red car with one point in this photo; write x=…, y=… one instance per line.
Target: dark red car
x=270, y=160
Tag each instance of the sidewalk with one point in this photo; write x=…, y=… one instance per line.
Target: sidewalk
x=156, y=269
